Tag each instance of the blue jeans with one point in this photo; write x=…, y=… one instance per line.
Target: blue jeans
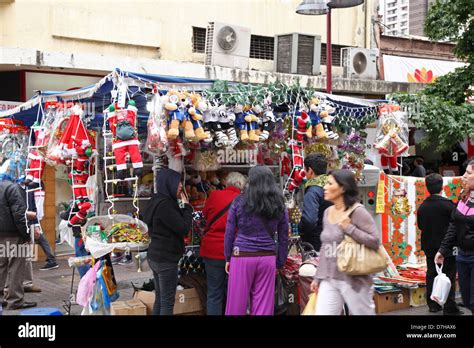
x=166, y=279
x=216, y=285
x=465, y=267
x=81, y=251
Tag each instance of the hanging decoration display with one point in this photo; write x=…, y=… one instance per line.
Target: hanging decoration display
x=403, y=196
x=391, y=137
x=13, y=150
x=352, y=154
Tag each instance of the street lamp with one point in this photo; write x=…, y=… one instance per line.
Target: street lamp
x=323, y=7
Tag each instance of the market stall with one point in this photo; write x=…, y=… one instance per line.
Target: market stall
x=113, y=136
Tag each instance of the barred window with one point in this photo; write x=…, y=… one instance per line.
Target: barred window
x=261, y=47
x=336, y=54
x=199, y=39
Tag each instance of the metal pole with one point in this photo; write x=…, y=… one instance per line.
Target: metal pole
x=328, y=55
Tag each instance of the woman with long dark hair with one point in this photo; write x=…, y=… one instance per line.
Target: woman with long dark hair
x=250, y=250
x=335, y=288
x=461, y=234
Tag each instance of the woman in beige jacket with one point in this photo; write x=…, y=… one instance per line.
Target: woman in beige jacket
x=335, y=288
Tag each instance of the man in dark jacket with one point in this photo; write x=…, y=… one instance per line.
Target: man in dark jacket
x=168, y=224
x=14, y=248
x=314, y=204
x=433, y=218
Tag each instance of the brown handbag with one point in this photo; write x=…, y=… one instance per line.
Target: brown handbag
x=355, y=259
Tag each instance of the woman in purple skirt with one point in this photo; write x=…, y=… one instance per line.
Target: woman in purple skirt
x=255, y=220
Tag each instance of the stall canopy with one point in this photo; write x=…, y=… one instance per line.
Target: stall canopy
x=98, y=96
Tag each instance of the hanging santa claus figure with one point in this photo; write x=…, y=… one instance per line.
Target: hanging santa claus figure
x=298, y=174
x=123, y=124
x=391, y=137
x=36, y=162
x=78, y=149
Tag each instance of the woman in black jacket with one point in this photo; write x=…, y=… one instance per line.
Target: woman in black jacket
x=461, y=234
x=168, y=225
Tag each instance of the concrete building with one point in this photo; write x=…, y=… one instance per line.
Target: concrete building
x=163, y=37
x=45, y=45
x=395, y=14
x=404, y=17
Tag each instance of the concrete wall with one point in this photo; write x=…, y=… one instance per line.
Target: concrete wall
x=162, y=29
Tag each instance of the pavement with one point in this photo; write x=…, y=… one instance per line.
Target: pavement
x=56, y=286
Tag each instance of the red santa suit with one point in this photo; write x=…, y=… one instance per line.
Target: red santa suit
x=36, y=165
x=128, y=145
x=298, y=175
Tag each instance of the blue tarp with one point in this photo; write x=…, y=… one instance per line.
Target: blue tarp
x=99, y=96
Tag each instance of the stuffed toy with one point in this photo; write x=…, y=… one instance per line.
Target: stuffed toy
x=314, y=111
x=303, y=123
x=176, y=106
x=251, y=120
x=298, y=175
x=227, y=119
x=391, y=138
x=240, y=123
x=80, y=217
x=268, y=124
x=327, y=119
x=36, y=162
x=196, y=110
x=123, y=124
x=213, y=126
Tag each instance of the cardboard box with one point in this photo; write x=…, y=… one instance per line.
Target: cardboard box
x=131, y=307
x=187, y=302
x=147, y=298
x=392, y=301
x=418, y=297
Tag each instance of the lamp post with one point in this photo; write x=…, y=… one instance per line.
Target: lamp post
x=323, y=7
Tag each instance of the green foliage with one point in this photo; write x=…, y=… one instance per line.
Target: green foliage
x=445, y=123
x=451, y=20
x=441, y=109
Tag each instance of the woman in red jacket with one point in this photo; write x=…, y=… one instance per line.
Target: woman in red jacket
x=212, y=245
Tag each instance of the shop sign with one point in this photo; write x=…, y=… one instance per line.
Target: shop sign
x=416, y=70
x=8, y=105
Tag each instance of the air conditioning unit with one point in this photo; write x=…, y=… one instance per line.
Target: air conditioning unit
x=227, y=45
x=359, y=63
x=297, y=54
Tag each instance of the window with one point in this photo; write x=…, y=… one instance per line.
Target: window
x=199, y=39
x=336, y=54
x=262, y=47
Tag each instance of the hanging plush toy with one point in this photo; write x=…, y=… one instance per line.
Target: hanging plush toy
x=391, y=138
x=196, y=111
x=123, y=124
x=36, y=163
x=303, y=123
x=314, y=111
x=213, y=126
x=176, y=106
x=227, y=119
x=240, y=122
x=327, y=119
x=252, y=119
x=268, y=124
x=298, y=175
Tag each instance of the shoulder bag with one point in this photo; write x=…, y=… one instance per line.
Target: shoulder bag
x=355, y=259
